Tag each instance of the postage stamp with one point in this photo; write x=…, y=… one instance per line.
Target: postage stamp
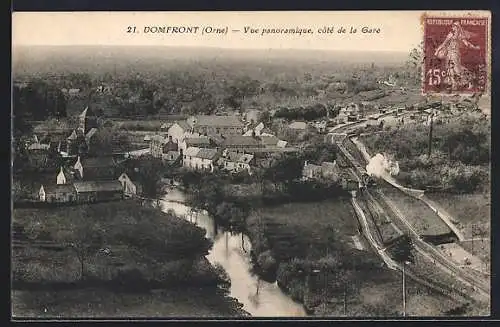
x=455, y=55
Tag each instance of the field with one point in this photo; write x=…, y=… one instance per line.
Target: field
x=473, y=213
x=374, y=290
x=98, y=303
x=312, y=225
x=419, y=215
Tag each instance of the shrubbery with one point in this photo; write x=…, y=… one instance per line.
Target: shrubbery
x=460, y=156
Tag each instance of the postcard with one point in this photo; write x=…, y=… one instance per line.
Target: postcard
x=180, y=165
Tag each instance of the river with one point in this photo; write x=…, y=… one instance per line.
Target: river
x=259, y=298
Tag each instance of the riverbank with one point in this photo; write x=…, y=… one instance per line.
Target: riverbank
x=231, y=251
x=113, y=260
x=313, y=252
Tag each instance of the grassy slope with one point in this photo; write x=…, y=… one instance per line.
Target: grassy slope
x=473, y=211
x=468, y=209
x=420, y=216
x=95, y=303
x=35, y=265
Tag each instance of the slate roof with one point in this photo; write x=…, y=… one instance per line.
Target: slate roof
x=215, y=121
x=91, y=133
x=170, y=146
x=209, y=154
x=238, y=157
x=98, y=162
x=240, y=140
x=73, y=136
x=195, y=141
x=298, y=125
x=98, y=186
x=269, y=140
x=191, y=151
x=184, y=125
x=58, y=188
x=38, y=146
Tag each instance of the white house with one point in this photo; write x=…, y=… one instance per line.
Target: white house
x=130, y=187
x=196, y=142
x=179, y=131
x=61, y=177
x=257, y=130
x=236, y=161
x=298, y=125
x=199, y=158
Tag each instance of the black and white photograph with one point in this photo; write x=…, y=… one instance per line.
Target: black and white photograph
x=238, y=165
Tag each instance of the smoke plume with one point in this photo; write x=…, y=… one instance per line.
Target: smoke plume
x=380, y=166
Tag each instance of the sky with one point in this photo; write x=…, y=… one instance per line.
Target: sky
x=399, y=30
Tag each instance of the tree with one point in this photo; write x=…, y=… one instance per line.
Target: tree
x=150, y=171
x=414, y=62
x=82, y=233
x=233, y=218
x=285, y=169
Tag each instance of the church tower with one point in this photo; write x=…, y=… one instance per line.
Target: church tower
x=87, y=120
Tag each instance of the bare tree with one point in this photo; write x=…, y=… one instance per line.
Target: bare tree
x=84, y=236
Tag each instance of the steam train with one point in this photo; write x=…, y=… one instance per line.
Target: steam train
x=367, y=180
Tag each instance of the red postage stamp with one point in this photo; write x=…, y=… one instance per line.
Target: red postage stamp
x=455, y=55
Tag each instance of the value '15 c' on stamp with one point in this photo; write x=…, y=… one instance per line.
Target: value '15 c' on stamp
x=455, y=55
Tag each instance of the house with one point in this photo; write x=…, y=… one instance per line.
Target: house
x=171, y=157
x=179, y=131
x=311, y=171
x=252, y=115
x=64, y=176
x=104, y=89
x=94, y=191
x=269, y=141
x=342, y=117
x=320, y=126
x=73, y=91
x=98, y=168
x=325, y=171
x=38, y=146
x=221, y=125
x=57, y=193
x=156, y=145
x=170, y=145
x=160, y=145
x=254, y=130
x=197, y=142
x=138, y=153
x=298, y=126
x=131, y=184
x=200, y=158
x=236, y=161
x=241, y=142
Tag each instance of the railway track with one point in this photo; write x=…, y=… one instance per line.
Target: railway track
x=393, y=265
x=427, y=250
